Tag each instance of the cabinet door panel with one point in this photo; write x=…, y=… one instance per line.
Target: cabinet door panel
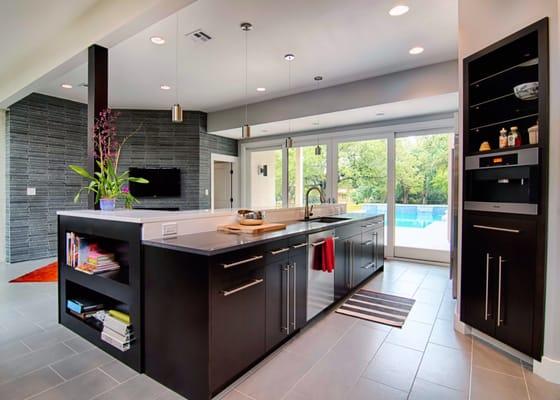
x=516, y=285
x=276, y=303
x=477, y=279
x=342, y=269
x=298, y=294
x=379, y=247
x=238, y=321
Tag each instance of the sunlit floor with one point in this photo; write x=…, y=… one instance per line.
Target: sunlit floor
x=337, y=357
x=435, y=236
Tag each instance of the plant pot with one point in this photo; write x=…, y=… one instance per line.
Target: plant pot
x=107, y=204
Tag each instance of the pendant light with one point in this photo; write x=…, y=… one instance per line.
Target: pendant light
x=318, y=150
x=246, y=129
x=176, y=110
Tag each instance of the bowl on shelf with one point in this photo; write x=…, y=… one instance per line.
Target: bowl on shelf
x=484, y=146
x=527, y=91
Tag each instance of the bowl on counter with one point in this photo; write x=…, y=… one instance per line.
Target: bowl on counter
x=527, y=91
x=250, y=217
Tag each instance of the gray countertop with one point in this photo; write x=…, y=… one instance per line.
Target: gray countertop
x=214, y=242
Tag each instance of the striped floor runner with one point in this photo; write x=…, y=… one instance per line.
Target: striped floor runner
x=378, y=307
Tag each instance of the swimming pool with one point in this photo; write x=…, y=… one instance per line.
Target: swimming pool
x=411, y=215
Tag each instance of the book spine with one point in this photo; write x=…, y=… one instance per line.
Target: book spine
x=116, y=325
x=113, y=342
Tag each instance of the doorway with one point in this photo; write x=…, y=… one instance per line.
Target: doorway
x=224, y=181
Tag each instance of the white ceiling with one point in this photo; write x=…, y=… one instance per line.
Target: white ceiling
x=382, y=112
x=342, y=40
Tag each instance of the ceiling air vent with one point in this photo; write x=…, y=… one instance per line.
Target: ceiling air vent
x=198, y=36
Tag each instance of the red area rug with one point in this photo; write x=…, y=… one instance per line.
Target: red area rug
x=48, y=273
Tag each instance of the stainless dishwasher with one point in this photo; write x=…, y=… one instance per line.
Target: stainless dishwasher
x=320, y=285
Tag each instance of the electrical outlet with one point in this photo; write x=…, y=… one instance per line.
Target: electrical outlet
x=169, y=229
x=31, y=191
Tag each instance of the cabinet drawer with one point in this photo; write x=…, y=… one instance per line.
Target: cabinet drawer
x=346, y=231
x=276, y=251
x=250, y=257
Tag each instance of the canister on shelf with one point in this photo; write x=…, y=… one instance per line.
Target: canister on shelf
x=534, y=133
x=503, y=138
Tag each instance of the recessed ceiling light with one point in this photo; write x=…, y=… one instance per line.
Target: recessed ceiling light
x=261, y=89
x=157, y=40
x=165, y=87
x=289, y=57
x=416, y=50
x=398, y=10
x=66, y=86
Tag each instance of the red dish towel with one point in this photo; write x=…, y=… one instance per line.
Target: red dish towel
x=328, y=255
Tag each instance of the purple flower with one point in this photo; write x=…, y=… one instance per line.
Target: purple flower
x=125, y=189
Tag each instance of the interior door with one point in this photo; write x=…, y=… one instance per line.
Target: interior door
x=223, y=179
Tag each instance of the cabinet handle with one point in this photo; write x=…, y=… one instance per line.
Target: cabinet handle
x=495, y=228
x=486, y=314
x=500, y=262
x=242, y=287
x=274, y=252
x=367, y=243
x=288, y=299
x=294, y=297
x=235, y=264
x=297, y=246
x=369, y=266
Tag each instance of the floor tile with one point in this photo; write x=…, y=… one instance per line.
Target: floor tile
x=424, y=390
x=413, y=335
x=235, y=395
x=274, y=379
x=394, y=366
x=80, y=363
x=540, y=389
x=445, y=366
x=140, y=387
x=12, y=349
x=118, y=371
x=29, y=384
x=83, y=387
x=361, y=342
x=170, y=395
x=444, y=334
x=48, y=338
x=370, y=390
x=486, y=356
x=499, y=386
x=79, y=345
x=425, y=313
x=428, y=296
x=447, y=309
x=11, y=369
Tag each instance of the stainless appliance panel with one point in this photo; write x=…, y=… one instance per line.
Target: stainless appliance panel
x=524, y=157
x=320, y=285
x=510, y=208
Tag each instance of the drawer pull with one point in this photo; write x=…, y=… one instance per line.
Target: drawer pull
x=242, y=287
x=248, y=260
x=297, y=246
x=279, y=251
x=495, y=228
x=322, y=242
x=369, y=266
x=368, y=243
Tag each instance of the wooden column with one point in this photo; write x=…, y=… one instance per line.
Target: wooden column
x=98, y=77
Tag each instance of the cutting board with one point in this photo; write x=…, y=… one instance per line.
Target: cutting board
x=238, y=228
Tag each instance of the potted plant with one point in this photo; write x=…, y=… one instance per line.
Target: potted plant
x=107, y=183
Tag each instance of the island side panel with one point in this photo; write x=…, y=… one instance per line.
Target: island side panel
x=176, y=320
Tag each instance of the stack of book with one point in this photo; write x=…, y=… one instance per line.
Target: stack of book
x=77, y=249
x=98, y=262
x=86, y=310
x=117, y=330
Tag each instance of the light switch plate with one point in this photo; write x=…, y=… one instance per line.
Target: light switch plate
x=169, y=229
x=31, y=191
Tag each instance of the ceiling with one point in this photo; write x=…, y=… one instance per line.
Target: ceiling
x=391, y=111
x=342, y=41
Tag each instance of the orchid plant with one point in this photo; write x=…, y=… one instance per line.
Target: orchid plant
x=107, y=183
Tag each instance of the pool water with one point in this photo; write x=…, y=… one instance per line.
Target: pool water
x=411, y=216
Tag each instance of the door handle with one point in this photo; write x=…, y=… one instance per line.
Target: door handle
x=294, y=297
x=297, y=246
x=495, y=228
x=500, y=262
x=254, y=282
x=486, y=313
x=367, y=243
x=279, y=251
x=248, y=260
x=286, y=270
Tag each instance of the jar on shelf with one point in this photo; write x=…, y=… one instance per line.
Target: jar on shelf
x=503, y=142
x=511, y=136
x=534, y=134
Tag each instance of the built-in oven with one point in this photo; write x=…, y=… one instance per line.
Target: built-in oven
x=507, y=182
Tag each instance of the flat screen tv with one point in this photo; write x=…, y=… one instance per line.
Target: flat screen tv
x=164, y=182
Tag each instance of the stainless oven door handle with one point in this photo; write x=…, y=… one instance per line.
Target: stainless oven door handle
x=486, y=313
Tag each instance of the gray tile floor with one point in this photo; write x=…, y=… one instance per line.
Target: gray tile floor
x=337, y=357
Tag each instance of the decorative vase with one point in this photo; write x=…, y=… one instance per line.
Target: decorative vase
x=107, y=204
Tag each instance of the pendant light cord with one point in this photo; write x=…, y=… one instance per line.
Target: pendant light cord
x=177, y=59
x=289, y=89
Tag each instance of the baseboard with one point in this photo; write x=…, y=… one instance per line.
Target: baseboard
x=460, y=326
x=548, y=369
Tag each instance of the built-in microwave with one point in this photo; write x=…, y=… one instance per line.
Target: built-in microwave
x=507, y=182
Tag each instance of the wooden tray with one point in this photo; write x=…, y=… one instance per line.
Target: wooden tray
x=238, y=228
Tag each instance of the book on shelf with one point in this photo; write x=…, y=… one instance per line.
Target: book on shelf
x=121, y=316
x=88, y=257
x=115, y=342
x=83, y=305
x=117, y=330
x=77, y=249
x=116, y=325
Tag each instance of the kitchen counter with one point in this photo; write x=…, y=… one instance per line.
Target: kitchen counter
x=216, y=242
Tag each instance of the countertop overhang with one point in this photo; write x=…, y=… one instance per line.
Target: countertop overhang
x=216, y=242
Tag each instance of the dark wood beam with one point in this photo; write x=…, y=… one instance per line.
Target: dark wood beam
x=98, y=78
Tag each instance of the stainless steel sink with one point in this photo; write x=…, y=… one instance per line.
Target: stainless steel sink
x=327, y=220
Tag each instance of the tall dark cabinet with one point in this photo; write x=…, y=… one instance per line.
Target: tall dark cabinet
x=505, y=191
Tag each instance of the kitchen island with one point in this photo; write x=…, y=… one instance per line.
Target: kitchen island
x=207, y=306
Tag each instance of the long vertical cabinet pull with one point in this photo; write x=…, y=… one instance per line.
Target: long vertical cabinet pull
x=294, y=289
x=288, y=299
x=486, y=313
x=500, y=262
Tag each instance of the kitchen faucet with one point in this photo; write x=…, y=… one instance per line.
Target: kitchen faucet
x=308, y=210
